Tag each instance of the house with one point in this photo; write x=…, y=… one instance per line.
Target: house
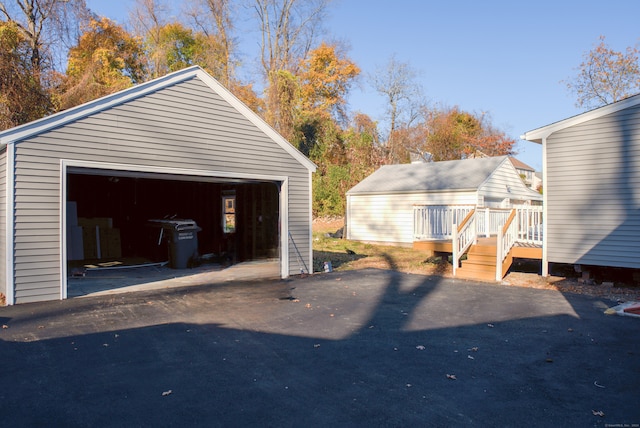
x=591, y=179
x=179, y=146
x=527, y=173
x=381, y=207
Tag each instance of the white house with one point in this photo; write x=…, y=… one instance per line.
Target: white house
x=178, y=145
x=381, y=207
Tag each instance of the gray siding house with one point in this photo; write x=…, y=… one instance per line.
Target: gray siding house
x=175, y=146
x=381, y=207
x=591, y=179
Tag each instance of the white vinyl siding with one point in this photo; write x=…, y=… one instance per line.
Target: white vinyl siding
x=389, y=218
x=185, y=126
x=593, y=192
x=506, y=183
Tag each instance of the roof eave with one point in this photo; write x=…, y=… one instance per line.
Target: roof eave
x=540, y=134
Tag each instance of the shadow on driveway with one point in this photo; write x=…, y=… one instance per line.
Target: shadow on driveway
x=359, y=348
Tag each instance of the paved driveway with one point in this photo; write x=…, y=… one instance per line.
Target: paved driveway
x=361, y=348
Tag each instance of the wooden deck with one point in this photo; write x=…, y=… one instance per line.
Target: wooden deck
x=433, y=246
x=520, y=250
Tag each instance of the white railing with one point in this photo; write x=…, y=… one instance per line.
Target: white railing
x=529, y=221
x=490, y=220
x=463, y=236
x=505, y=241
x=435, y=222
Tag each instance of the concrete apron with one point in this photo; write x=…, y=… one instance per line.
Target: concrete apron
x=112, y=281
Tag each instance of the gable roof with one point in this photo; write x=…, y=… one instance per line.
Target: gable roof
x=539, y=134
x=518, y=164
x=22, y=132
x=456, y=175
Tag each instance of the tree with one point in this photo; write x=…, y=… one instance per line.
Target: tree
x=43, y=23
x=288, y=29
x=325, y=80
x=22, y=96
x=213, y=19
x=148, y=17
x=396, y=81
x=105, y=60
x=174, y=48
x=605, y=76
x=450, y=133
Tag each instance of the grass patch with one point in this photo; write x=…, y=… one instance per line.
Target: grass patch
x=349, y=255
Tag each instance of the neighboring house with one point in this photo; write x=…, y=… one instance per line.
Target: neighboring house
x=591, y=179
x=178, y=145
x=527, y=173
x=381, y=207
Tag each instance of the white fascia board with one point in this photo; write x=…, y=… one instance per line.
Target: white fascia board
x=255, y=119
x=46, y=123
x=9, y=251
x=539, y=134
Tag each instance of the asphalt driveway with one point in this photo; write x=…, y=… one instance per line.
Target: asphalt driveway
x=360, y=348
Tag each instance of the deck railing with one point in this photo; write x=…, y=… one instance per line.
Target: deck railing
x=529, y=220
x=490, y=220
x=464, y=235
x=505, y=241
x=435, y=222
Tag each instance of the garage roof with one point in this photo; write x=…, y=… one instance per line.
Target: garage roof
x=22, y=132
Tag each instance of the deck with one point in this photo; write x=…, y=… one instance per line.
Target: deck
x=520, y=250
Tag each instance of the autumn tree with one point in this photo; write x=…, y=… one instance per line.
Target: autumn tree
x=22, y=97
x=28, y=74
x=105, y=60
x=450, y=133
x=324, y=81
x=605, y=76
x=148, y=17
x=287, y=30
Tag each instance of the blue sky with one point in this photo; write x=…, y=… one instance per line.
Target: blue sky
x=505, y=58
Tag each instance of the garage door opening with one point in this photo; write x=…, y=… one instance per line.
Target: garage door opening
x=110, y=224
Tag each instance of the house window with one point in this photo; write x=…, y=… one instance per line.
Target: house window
x=229, y=211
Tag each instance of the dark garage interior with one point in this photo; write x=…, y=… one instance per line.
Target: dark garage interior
x=121, y=206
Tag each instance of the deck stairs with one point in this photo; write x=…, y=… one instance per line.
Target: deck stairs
x=480, y=263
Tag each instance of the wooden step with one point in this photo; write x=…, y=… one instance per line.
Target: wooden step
x=481, y=259
x=467, y=272
x=489, y=250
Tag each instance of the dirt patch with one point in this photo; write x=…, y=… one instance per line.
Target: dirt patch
x=352, y=255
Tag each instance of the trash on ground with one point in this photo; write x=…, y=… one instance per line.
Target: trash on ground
x=627, y=309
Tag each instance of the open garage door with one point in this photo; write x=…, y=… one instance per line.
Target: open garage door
x=110, y=221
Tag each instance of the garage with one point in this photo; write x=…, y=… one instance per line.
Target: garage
x=103, y=184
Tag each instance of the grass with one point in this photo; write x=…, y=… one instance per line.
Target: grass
x=348, y=255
